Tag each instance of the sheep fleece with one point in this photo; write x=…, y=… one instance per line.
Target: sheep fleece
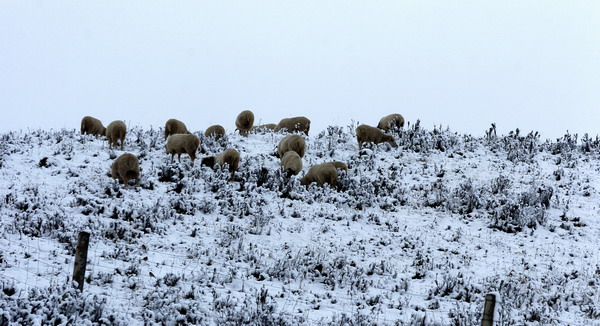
x=339, y=165
x=231, y=157
x=116, y=131
x=216, y=131
x=244, y=122
x=183, y=143
x=174, y=126
x=92, y=126
x=321, y=174
x=291, y=162
x=291, y=143
x=125, y=168
x=265, y=127
x=368, y=134
x=294, y=124
x=394, y=121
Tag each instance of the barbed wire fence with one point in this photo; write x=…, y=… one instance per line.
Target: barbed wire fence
x=35, y=271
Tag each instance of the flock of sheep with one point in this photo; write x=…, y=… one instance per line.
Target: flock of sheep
x=290, y=149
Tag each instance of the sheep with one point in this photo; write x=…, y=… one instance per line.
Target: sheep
x=215, y=131
x=229, y=156
x=321, y=174
x=183, y=143
x=291, y=143
x=92, y=126
x=294, y=124
x=338, y=165
x=174, y=126
x=244, y=122
x=368, y=134
x=264, y=127
x=291, y=163
x=116, y=131
x=125, y=168
x=392, y=121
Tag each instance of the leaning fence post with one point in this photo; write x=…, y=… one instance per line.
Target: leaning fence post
x=488, y=310
x=81, y=259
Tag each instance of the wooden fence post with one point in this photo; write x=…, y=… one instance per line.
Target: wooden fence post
x=81, y=259
x=488, y=310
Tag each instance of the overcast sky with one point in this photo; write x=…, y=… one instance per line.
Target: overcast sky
x=534, y=64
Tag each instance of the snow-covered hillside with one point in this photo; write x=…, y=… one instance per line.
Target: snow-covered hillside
x=414, y=235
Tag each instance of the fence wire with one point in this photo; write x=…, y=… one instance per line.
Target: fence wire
x=60, y=272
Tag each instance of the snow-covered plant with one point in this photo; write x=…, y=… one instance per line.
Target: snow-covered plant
x=56, y=305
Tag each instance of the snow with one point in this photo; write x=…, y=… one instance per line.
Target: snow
x=417, y=234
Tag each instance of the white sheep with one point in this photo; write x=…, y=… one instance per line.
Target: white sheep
x=215, y=131
x=368, y=134
x=291, y=163
x=392, y=121
x=321, y=174
x=230, y=156
x=294, y=143
x=126, y=167
x=183, y=143
x=92, y=126
x=295, y=124
x=115, y=132
x=264, y=127
x=338, y=165
x=244, y=122
x=174, y=126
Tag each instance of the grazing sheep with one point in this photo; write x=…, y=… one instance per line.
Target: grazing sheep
x=291, y=163
x=392, y=121
x=294, y=124
x=230, y=157
x=125, y=168
x=216, y=131
x=183, y=143
x=264, y=127
x=116, y=131
x=291, y=143
x=174, y=126
x=244, y=122
x=92, y=126
x=368, y=134
x=339, y=165
x=321, y=174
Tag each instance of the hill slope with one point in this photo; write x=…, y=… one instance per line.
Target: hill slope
x=417, y=234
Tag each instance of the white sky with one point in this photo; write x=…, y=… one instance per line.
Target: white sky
x=534, y=64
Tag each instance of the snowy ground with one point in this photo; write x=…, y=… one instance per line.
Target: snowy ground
x=412, y=235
